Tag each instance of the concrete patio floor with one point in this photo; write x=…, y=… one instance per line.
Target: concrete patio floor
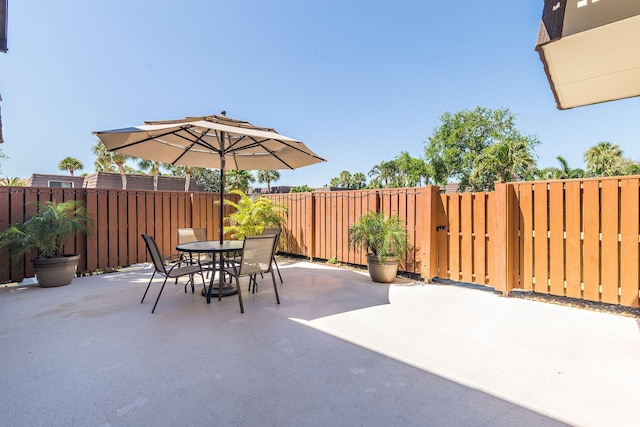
x=340, y=350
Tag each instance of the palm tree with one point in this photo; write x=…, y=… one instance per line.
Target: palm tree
x=385, y=173
x=105, y=160
x=358, y=181
x=563, y=172
x=505, y=160
x=13, y=181
x=150, y=168
x=268, y=176
x=182, y=172
x=70, y=164
x=239, y=180
x=604, y=159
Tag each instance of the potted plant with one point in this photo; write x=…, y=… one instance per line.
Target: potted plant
x=46, y=232
x=252, y=215
x=385, y=239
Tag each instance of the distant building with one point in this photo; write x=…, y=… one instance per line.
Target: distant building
x=111, y=180
x=54, y=181
x=275, y=189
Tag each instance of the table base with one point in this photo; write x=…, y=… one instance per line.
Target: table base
x=227, y=290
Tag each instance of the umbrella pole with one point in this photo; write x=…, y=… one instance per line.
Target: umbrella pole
x=223, y=163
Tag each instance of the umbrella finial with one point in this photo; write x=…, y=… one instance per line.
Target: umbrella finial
x=223, y=112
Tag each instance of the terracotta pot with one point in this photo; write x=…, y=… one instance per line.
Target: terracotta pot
x=382, y=272
x=52, y=272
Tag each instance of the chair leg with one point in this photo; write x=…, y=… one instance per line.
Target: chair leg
x=278, y=269
x=159, y=293
x=253, y=281
x=275, y=288
x=147, y=290
x=239, y=294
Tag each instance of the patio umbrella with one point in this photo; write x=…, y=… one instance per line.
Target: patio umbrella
x=210, y=142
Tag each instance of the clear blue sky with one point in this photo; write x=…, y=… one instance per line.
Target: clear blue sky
x=357, y=81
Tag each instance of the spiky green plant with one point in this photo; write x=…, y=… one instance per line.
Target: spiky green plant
x=47, y=230
x=380, y=235
x=252, y=215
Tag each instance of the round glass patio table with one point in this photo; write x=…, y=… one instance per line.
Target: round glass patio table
x=217, y=250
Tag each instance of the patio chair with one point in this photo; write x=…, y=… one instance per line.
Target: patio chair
x=188, y=235
x=174, y=271
x=274, y=232
x=257, y=253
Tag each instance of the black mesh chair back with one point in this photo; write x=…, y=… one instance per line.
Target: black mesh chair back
x=174, y=271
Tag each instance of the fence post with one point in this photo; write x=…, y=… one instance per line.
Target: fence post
x=503, y=238
x=426, y=233
x=310, y=210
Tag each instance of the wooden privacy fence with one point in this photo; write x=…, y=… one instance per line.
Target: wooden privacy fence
x=573, y=238
x=119, y=217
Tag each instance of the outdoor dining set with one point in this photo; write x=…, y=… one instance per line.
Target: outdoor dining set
x=227, y=260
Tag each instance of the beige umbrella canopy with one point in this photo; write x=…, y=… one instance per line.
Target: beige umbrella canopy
x=210, y=142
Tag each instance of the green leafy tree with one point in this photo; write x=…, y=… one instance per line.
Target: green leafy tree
x=70, y=164
x=453, y=147
x=301, y=189
x=239, y=180
x=268, y=176
x=411, y=171
x=630, y=167
x=604, y=159
x=209, y=178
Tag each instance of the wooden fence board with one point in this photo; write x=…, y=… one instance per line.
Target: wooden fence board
x=442, y=231
x=5, y=222
x=454, y=237
x=479, y=233
x=122, y=222
x=591, y=241
x=102, y=231
x=112, y=227
x=132, y=227
x=411, y=263
x=341, y=233
x=573, y=252
x=556, y=241
x=466, y=238
x=629, y=253
x=92, y=241
x=526, y=235
x=610, y=260
x=541, y=243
